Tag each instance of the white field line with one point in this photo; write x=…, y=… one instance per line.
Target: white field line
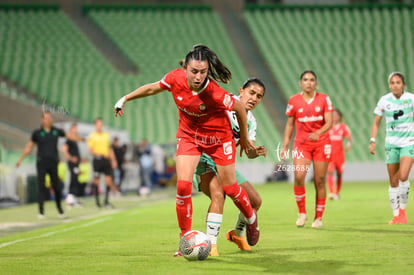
x=54, y=232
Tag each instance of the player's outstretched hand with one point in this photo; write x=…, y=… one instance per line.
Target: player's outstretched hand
x=245, y=145
x=119, y=106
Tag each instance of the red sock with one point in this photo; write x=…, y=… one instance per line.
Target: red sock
x=184, y=205
x=331, y=183
x=338, y=185
x=320, y=207
x=300, y=198
x=240, y=199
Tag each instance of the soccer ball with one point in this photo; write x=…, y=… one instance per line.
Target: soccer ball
x=70, y=199
x=195, y=245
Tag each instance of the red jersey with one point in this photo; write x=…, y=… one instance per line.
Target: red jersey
x=201, y=115
x=337, y=134
x=309, y=116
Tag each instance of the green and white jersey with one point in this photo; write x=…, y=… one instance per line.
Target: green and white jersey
x=399, y=118
x=251, y=124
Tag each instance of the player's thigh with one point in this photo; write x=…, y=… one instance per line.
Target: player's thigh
x=227, y=174
x=254, y=196
x=186, y=166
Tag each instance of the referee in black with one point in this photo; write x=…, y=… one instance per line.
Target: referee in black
x=46, y=138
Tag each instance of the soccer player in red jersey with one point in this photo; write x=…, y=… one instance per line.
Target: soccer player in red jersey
x=337, y=134
x=203, y=127
x=312, y=113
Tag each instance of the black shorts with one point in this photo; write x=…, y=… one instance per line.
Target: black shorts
x=101, y=166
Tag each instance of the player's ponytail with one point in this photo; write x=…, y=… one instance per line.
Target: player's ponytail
x=216, y=69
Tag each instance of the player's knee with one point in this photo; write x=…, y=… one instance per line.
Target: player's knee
x=403, y=177
x=184, y=188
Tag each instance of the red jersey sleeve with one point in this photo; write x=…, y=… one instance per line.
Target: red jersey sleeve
x=290, y=109
x=168, y=80
x=221, y=98
x=328, y=105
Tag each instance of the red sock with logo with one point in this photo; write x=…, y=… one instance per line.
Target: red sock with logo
x=184, y=205
x=240, y=199
x=300, y=197
x=319, y=207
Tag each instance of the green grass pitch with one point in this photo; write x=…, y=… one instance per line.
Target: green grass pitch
x=141, y=235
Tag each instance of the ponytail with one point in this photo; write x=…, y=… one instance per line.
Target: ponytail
x=216, y=69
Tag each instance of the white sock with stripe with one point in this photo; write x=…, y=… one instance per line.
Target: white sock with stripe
x=213, y=224
x=394, y=196
x=404, y=187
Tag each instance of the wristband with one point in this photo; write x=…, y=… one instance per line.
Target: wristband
x=372, y=140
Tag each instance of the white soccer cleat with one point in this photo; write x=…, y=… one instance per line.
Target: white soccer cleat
x=302, y=219
x=41, y=216
x=317, y=223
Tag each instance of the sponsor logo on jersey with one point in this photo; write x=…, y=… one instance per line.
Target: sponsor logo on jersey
x=310, y=118
x=202, y=107
x=300, y=110
x=179, y=98
x=317, y=109
x=227, y=148
x=227, y=101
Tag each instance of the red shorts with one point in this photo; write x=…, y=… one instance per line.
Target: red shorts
x=316, y=151
x=222, y=153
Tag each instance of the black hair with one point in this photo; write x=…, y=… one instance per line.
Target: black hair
x=216, y=69
x=254, y=80
x=397, y=74
x=308, y=72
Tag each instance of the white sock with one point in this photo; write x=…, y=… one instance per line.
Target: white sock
x=404, y=187
x=213, y=224
x=252, y=219
x=394, y=195
x=240, y=225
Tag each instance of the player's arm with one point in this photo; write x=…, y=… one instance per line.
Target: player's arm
x=290, y=124
x=244, y=141
x=328, y=117
x=348, y=142
x=143, y=91
x=374, y=132
x=73, y=137
x=27, y=149
x=256, y=151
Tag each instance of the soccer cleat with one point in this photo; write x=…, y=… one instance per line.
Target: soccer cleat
x=62, y=215
x=252, y=231
x=402, y=216
x=302, y=219
x=239, y=240
x=214, y=251
x=337, y=197
x=331, y=196
x=41, y=216
x=178, y=254
x=395, y=220
x=317, y=223
x=109, y=206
